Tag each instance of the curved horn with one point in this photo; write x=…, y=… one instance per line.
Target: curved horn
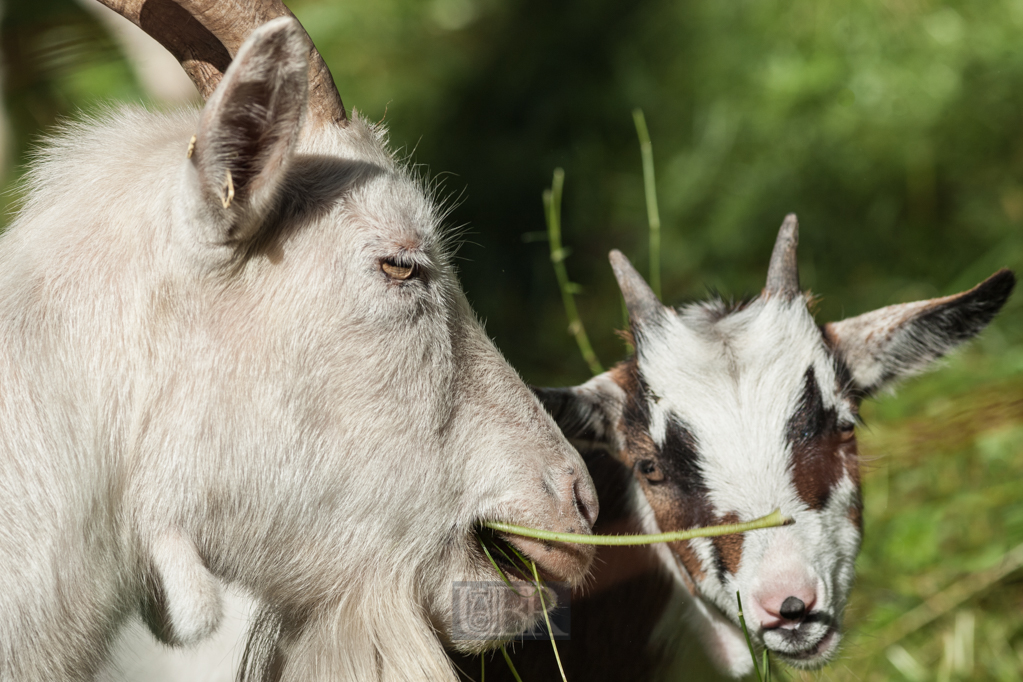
x=640, y=300
x=204, y=35
x=783, y=272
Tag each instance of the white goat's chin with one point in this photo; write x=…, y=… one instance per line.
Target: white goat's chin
x=484, y=613
x=808, y=647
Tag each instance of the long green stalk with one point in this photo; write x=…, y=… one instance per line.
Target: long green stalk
x=653, y=215
x=749, y=643
x=547, y=618
x=511, y=666
x=775, y=518
x=552, y=211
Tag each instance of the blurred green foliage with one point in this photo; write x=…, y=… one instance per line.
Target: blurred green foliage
x=894, y=128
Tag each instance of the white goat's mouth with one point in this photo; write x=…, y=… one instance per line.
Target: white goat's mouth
x=515, y=556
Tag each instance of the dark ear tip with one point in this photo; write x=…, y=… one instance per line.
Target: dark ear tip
x=1006, y=276
x=998, y=286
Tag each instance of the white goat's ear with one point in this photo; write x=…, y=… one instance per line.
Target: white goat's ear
x=248, y=132
x=884, y=345
x=586, y=414
x=182, y=601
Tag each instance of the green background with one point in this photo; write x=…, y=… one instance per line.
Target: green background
x=893, y=128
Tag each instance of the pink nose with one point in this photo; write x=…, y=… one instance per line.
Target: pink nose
x=777, y=608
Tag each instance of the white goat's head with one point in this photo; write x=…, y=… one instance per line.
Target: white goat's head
x=727, y=412
x=251, y=362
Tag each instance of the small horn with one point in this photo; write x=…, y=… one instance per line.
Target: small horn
x=640, y=300
x=204, y=35
x=783, y=272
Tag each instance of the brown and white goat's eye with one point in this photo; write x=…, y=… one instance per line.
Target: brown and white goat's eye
x=398, y=271
x=649, y=470
x=846, y=432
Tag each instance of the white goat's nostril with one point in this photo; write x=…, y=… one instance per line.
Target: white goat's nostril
x=792, y=608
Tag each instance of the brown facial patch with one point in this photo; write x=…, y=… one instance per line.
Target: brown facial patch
x=855, y=514
x=819, y=452
x=678, y=495
x=729, y=547
x=687, y=555
x=851, y=459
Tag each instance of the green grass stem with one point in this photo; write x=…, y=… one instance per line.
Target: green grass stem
x=774, y=519
x=547, y=619
x=497, y=568
x=653, y=215
x=511, y=666
x=552, y=211
x=749, y=642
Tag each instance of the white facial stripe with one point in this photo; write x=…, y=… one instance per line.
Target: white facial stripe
x=660, y=413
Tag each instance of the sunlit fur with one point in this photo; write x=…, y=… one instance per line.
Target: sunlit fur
x=725, y=413
x=185, y=406
x=735, y=380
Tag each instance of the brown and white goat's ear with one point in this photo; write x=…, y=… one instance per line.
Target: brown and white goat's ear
x=586, y=414
x=248, y=132
x=884, y=345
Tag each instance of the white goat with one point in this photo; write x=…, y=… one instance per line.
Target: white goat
x=724, y=413
x=233, y=350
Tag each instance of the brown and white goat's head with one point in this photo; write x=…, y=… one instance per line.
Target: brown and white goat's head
x=248, y=351
x=727, y=412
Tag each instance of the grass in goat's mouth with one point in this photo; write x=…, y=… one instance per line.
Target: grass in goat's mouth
x=505, y=559
x=500, y=552
x=775, y=518
x=508, y=561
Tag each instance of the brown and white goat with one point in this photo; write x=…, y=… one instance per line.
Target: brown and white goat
x=724, y=413
x=233, y=351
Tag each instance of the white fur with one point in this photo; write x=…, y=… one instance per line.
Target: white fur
x=735, y=382
x=193, y=594
x=206, y=396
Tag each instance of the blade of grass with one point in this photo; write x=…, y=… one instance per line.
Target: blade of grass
x=772, y=520
x=511, y=666
x=749, y=642
x=947, y=599
x=525, y=563
x=552, y=211
x=650, y=189
x=498, y=569
x=547, y=618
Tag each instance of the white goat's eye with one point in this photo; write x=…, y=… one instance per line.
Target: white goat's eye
x=397, y=271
